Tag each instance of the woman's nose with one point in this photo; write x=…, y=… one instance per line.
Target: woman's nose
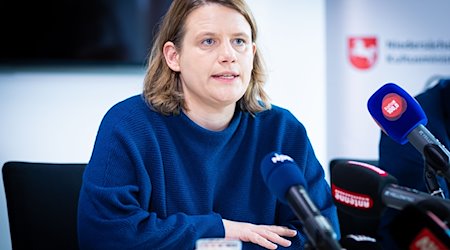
x=227, y=53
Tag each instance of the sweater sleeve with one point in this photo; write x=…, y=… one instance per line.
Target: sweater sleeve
x=111, y=218
x=115, y=209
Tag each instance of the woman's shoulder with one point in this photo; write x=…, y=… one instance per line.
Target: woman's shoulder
x=277, y=112
x=128, y=103
x=135, y=103
x=131, y=108
x=278, y=115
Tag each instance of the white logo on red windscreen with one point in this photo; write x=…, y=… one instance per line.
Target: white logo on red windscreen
x=363, y=51
x=393, y=106
x=425, y=240
x=350, y=199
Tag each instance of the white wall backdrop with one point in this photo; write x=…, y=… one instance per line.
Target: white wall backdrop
x=52, y=115
x=292, y=40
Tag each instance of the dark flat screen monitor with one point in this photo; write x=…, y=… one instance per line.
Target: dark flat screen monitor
x=78, y=31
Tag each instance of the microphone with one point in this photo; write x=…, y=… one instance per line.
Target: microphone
x=284, y=179
x=402, y=118
x=364, y=190
x=417, y=228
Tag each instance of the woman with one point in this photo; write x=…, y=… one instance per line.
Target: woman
x=181, y=161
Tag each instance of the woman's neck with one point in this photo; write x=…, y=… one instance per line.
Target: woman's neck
x=211, y=118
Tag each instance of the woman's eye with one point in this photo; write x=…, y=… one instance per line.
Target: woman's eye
x=208, y=41
x=239, y=41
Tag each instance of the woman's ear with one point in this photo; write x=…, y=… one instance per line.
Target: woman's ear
x=172, y=57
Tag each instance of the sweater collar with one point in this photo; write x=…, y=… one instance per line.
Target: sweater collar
x=194, y=127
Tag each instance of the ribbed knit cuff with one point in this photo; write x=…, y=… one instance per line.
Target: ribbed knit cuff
x=208, y=226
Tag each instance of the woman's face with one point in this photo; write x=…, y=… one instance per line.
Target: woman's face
x=216, y=58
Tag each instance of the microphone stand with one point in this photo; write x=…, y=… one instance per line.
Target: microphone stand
x=431, y=182
x=437, y=158
x=436, y=163
x=434, y=153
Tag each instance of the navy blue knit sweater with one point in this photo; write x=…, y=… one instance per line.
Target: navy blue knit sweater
x=162, y=182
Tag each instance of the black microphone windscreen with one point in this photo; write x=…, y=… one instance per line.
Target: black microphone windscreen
x=439, y=207
x=417, y=228
x=357, y=188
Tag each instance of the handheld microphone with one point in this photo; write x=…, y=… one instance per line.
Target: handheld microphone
x=402, y=118
x=364, y=190
x=416, y=228
x=284, y=179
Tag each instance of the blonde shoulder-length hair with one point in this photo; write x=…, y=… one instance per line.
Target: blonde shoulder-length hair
x=162, y=86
